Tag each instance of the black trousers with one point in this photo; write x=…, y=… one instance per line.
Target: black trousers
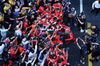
x=95, y=9
x=71, y=20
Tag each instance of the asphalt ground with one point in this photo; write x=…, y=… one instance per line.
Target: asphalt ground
x=74, y=54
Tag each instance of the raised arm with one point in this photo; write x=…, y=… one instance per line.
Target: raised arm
x=14, y=40
x=9, y=27
x=96, y=43
x=82, y=40
x=21, y=25
x=78, y=44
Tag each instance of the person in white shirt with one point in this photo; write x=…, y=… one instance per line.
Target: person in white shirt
x=4, y=32
x=96, y=7
x=1, y=50
x=18, y=31
x=32, y=53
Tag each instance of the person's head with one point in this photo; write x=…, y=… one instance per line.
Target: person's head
x=29, y=64
x=16, y=7
x=58, y=9
x=59, y=60
x=32, y=50
x=61, y=46
x=7, y=40
x=17, y=21
x=40, y=48
x=23, y=9
x=52, y=8
x=51, y=64
x=60, y=53
x=43, y=20
x=14, y=48
x=21, y=44
x=6, y=4
x=83, y=17
x=17, y=27
x=26, y=20
x=72, y=9
x=67, y=2
x=47, y=16
x=96, y=46
x=38, y=64
x=47, y=9
x=32, y=16
x=58, y=4
x=93, y=27
x=67, y=30
x=3, y=27
x=59, y=20
x=55, y=18
x=9, y=11
x=52, y=13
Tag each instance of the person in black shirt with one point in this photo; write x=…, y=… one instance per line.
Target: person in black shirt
x=94, y=33
x=95, y=53
x=83, y=50
x=94, y=30
x=81, y=23
x=42, y=3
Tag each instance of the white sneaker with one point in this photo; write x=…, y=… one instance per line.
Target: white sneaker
x=81, y=61
x=86, y=31
x=81, y=30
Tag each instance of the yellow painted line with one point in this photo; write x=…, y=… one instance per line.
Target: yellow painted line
x=89, y=56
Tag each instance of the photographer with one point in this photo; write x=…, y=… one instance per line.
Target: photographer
x=71, y=16
x=94, y=33
x=83, y=50
x=95, y=52
x=81, y=23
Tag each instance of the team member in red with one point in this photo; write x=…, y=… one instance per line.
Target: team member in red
x=21, y=49
x=57, y=5
x=70, y=35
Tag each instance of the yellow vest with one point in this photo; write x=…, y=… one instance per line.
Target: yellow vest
x=11, y=2
x=23, y=12
x=1, y=18
x=6, y=8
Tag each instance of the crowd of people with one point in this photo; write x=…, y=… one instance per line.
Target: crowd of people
x=33, y=33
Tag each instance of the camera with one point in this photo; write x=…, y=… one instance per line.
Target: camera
x=79, y=15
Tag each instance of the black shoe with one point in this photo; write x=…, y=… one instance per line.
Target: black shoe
x=96, y=60
x=91, y=60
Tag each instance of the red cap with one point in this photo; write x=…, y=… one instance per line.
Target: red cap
x=41, y=8
x=24, y=31
x=67, y=29
x=6, y=40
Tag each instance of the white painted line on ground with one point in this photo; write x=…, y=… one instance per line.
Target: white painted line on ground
x=81, y=6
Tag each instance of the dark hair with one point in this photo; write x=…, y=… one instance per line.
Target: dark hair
x=51, y=64
x=60, y=46
x=59, y=60
x=60, y=53
x=53, y=39
x=55, y=18
x=29, y=64
x=52, y=12
x=59, y=20
x=51, y=56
